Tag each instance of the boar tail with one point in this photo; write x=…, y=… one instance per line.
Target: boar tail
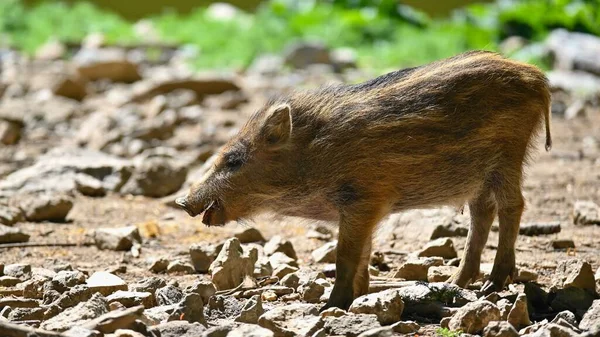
x=548, y=135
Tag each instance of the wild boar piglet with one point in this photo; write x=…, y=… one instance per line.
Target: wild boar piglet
x=451, y=132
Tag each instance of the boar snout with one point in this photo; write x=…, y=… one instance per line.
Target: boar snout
x=183, y=203
x=214, y=214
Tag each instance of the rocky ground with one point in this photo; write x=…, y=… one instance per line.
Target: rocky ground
x=96, y=142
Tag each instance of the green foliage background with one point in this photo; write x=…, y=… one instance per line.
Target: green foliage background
x=384, y=34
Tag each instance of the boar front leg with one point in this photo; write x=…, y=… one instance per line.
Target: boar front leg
x=353, y=249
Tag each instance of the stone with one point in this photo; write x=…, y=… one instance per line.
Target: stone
x=333, y=312
x=505, y=306
x=535, y=229
x=313, y=290
x=586, y=213
x=251, y=311
x=45, y=207
x=591, y=318
x=131, y=298
x=278, y=244
x=159, y=265
x=577, y=300
x=12, y=235
x=180, y=267
x=249, y=235
x=202, y=85
x=278, y=259
x=51, y=50
x=71, y=297
x=17, y=302
x=191, y=308
x=203, y=288
x=21, y=271
x=440, y=273
x=574, y=273
x=69, y=86
x=106, y=63
x=26, y=314
x=350, y=325
x=574, y=50
x=282, y=270
x=303, y=54
x=57, y=171
x=69, y=278
x=105, y=283
x=567, y=316
x=178, y=329
x=562, y=244
x=442, y=247
x=525, y=275
x=500, y=329
x=10, y=215
x=150, y=284
x=384, y=331
x=160, y=314
x=474, y=317
x=168, y=295
x=121, y=238
x=290, y=280
x=325, y=253
x=9, y=281
x=202, y=256
x=519, y=314
x=10, y=132
x=290, y=320
x=386, y=305
x=416, y=269
x=405, y=327
x=155, y=177
x=78, y=315
x=343, y=58
x=231, y=266
x=127, y=333
x=449, y=230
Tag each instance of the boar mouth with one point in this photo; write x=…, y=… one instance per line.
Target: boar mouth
x=214, y=214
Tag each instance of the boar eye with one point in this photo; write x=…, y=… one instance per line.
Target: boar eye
x=233, y=161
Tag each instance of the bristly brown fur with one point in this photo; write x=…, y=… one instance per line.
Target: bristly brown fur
x=453, y=131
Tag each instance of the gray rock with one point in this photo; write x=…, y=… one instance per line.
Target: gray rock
x=283, y=270
x=474, y=317
x=231, y=266
x=45, y=207
x=21, y=271
x=586, y=213
x=325, y=253
x=386, y=305
x=26, y=314
x=500, y=329
x=105, y=283
x=552, y=330
x=68, y=279
x=10, y=132
x=449, y=230
x=313, y=290
x=203, y=288
x=279, y=259
x=191, y=308
x=575, y=82
x=72, y=297
x=405, y=327
x=202, y=256
x=180, y=267
x=416, y=269
x=350, y=325
x=440, y=273
x=9, y=281
x=442, y=247
x=161, y=314
x=290, y=280
x=155, y=177
x=539, y=228
x=574, y=273
x=150, y=284
x=574, y=51
x=12, y=235
x=290, y=320
x=178, y=329
x=238, y=330
x=77, y=315
x=57, y=172
x=251, y=311
x=567, y=316
x=10, y=215
x=249, y=235
x=168, y=295
x=131, y=298
x=303, y=54
x=159, y=265
x=433, y=299
x=384, y=331
x=562, y=244
x=519, y=314
x=278, y=244
x=591, y=318
x=343, y=58
x=106, y=63
x=526, y=275
x=121, y=238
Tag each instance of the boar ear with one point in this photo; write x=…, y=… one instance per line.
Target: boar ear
x=278, y=125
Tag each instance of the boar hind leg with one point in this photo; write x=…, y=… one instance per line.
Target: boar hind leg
x=510, y=207
x=483, y=211
x=353, y=241
x=361, y=280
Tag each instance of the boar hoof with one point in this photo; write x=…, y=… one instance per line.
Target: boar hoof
x=492, y=286
x=342, y=303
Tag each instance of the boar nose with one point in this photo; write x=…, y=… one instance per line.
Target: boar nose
x=182, y=202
